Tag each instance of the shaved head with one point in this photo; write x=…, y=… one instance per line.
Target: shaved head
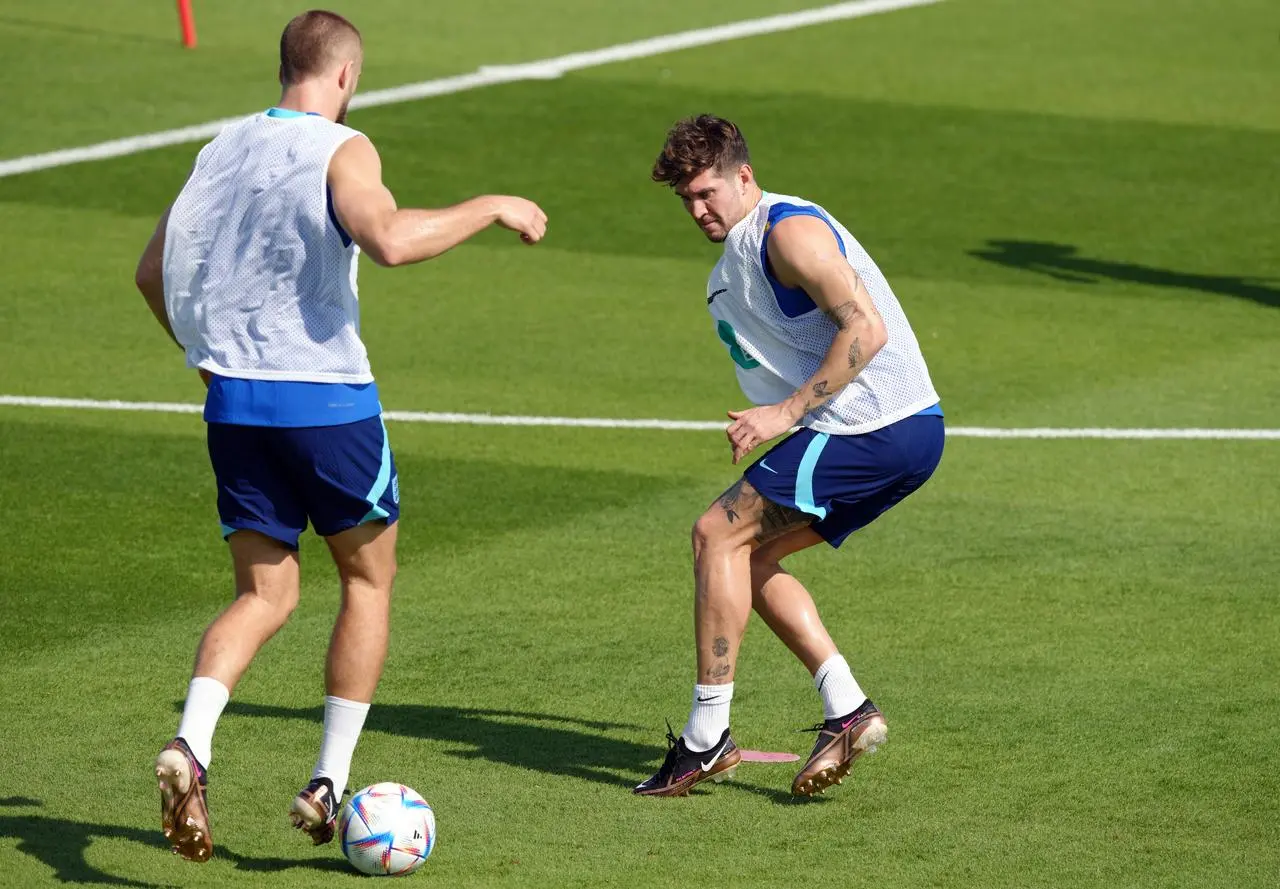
x=314, y=43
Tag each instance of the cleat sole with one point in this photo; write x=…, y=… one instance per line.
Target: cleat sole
x=726, y=775
x=174, y=778
x=869, y=740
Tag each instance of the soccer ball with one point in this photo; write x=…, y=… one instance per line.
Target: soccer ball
x=387, y=829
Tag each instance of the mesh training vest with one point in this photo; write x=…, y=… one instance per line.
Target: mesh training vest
x=777, y=337
x=259, y=278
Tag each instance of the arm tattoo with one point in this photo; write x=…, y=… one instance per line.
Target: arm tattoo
x=821, y=392
x=855, y=354
x=720, y=647
x=842, y=315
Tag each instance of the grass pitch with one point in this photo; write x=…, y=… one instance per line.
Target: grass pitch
x=1074, y=642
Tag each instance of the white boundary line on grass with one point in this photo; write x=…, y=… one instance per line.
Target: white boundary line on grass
x=548, y=69
x=676, y=425
x=486, y=75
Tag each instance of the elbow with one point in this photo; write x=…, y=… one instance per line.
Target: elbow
x=385, y=258
x=381, y=253
x=876, y=337
x=146, y=277
x=387, y=254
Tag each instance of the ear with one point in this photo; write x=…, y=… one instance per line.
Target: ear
x=280, y=75
x=346, y=74
x=745, y=175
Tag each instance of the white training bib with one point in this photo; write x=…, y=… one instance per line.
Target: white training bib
x=259, y=278
x=778, y=338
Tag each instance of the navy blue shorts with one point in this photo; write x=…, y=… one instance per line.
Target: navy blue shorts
x=273, y=479
x=847, y=481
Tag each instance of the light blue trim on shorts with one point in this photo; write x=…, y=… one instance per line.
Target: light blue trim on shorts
x=380, y=483
x=804, y=476
x=227, y=531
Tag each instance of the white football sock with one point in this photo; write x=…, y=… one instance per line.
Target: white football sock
x=709, y=717
x=343, y=721
x=840, y=692
x=206, y=697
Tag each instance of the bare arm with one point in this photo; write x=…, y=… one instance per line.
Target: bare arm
x=392, y=236
x=149, y=276
x=804, y=253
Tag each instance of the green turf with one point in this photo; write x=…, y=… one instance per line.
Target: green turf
x=1075, y=642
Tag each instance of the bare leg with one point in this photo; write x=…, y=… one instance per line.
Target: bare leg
x=266, y=573
x=366, y=560
x=783, y=602
x=723, y=540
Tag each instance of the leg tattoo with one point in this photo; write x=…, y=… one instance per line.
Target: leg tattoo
x=777, y=520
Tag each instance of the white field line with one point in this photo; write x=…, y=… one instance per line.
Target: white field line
x=675, y=425
x=486, y=75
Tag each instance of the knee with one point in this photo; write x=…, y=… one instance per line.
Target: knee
x=764, y=567
x=764, y=563
x=705, y=534
x=713, y=534
x=372, y=580
x=276, y=601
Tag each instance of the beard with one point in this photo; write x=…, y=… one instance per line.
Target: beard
x=717, y=234
x=342, y=112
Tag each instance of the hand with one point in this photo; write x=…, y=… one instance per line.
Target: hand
x=522, y=216
x=754, y=427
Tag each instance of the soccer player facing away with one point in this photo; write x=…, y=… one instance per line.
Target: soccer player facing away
x=818, y=341
x=252, y=271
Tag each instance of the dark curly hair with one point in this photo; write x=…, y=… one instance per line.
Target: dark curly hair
x=699, y=143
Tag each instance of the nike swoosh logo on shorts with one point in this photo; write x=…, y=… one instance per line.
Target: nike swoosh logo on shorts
x=764, y=465
x=717, y=293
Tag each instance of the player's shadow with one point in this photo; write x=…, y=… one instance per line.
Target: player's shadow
x=541, y=742
x=61, y=844
x=556, y=745
x=1064, y=262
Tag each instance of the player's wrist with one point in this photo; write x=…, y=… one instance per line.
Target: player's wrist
x=490, y=206
x=793, y=408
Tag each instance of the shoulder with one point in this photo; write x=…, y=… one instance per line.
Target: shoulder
x=806, y=231
x=355, y=152
x=783, y=207
x=342, y=131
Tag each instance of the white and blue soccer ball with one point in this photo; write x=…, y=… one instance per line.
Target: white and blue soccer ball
x=387, y=829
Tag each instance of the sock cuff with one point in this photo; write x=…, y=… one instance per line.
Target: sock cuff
x=831, y=664
x=721, y=693
x=332, y=701
x=207, y=685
